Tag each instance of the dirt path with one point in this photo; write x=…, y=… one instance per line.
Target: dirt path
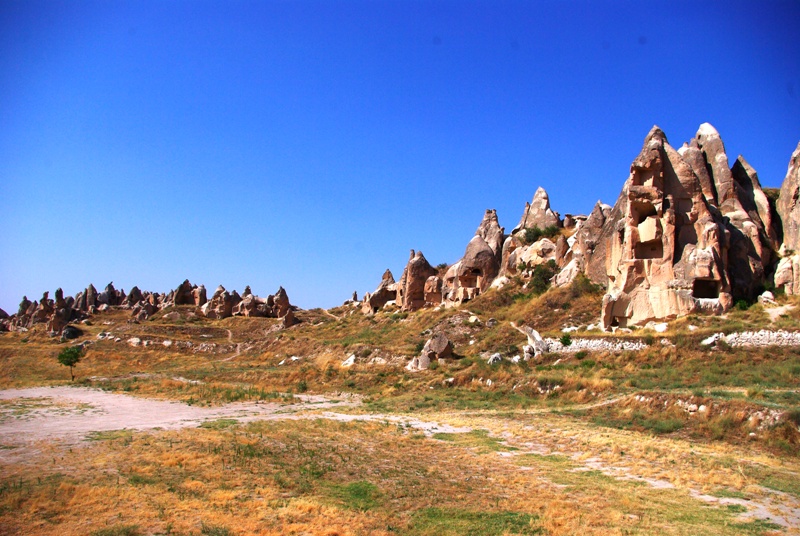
x=69, y=416
x=238, y=351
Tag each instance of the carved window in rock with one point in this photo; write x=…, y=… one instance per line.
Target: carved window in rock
x=471, y=278
x=705, y=289
x=649, y=244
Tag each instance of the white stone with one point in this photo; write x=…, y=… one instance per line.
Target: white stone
x=350, y=361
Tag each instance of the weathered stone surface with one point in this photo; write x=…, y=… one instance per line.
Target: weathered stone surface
x=411, y=290
x=199, y=295
x=281, y=304
x=538, y=213
x=433, y=290
x=479, y=266
x=491, y=232
x=438, y=347
x=788, y=206
x=133, y=297
x=666, y=251
x=787, y=273
x=738, y=194
x=386, y=291
x=183, y=294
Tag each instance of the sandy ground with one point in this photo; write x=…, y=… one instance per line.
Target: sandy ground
x=69, y=415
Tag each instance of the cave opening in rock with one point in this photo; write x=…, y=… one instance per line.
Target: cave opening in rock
x=705, y=288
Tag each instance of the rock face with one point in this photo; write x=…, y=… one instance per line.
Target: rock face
x=787, y=274
x=741, y=202
x=538, y=213
x=183, y=294
x=411, y=289
x=386, y=292
x=666, y=250
x=479, y=266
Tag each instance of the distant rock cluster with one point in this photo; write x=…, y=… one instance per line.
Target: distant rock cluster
x=688, y=233
x=57, y=313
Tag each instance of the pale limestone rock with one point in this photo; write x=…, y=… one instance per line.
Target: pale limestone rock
x=538, y=213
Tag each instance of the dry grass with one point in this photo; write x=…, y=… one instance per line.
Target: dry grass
x=325, y=477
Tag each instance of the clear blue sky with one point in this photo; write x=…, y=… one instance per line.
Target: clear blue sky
x=312, y=144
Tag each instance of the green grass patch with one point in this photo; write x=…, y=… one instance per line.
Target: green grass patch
x=360, y=495
x=452, y=521
x=110, y=435
x=219, y=424
x=476, y=438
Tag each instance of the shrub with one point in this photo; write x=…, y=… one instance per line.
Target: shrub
x=542, y=274
x=582, y=285
x=565, y=339
x=532, y=234
x=742, y=305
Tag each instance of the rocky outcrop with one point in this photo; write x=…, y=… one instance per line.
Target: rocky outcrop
x=538, y=213
x=741, y=203
x=437, y=347
x=183, y=294
x=221, y=304
x=479, y=266
x=386, y=292
x=666, y=250
x=411, y=289
x=787, y=273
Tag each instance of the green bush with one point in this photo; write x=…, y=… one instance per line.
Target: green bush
x=742, y=305
x=532, y=234
x=542, y=274
x=566, y=339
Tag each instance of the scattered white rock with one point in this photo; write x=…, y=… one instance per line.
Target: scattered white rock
x=167, y=343
x=134, y=341
x=494, y=359
x=570, y=329
x=350, y=361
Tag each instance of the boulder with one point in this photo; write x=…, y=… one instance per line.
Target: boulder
x=438, y=347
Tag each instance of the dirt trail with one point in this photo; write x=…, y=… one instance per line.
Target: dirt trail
x=67, y=416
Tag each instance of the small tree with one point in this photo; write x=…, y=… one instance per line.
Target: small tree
x=69, y=357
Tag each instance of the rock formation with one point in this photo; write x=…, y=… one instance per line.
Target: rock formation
x=480, y=264
x=538, y=213
x=411, y=289
x=787, y=274
x=386, y=292
x=666, y=250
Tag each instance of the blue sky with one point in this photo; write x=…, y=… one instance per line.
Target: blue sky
x=312, y=144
